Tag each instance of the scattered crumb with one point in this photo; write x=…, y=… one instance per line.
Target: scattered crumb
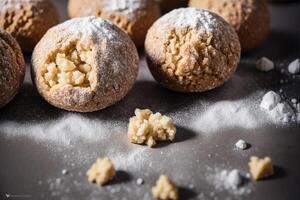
x=149, y=128
x=260, y=167
x=264, y=64
x=101, y=171
x=241, y=144
x=139, y=181
x=165, y=189
x=64, y=172
x=294, y=67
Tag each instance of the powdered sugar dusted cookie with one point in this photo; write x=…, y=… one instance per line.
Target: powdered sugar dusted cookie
x=250, y=18
x=85, y=64
x=27, y=20
x=192, y=50
x=132, y=16
x=12, y=68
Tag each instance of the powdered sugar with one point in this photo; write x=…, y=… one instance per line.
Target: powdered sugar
x=279, y=112
x=67, y=130
x=294, y=67
x=15, y=4
x=233, y=181
x=127, y=7
x=192, y=17
x=227, y=115
x=90, y=27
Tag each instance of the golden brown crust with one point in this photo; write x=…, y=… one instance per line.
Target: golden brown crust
x=133, y=16
x=114, y=60
x=27, y=20
x=168, y=5
x=12, y=68
x=192, y=50
x=250, y=18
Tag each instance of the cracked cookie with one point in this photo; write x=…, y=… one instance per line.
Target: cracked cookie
x=84, y=64
x=192, y=50
x=12, y=68
x=133, y=16
x=27, y=20
x=250, y=18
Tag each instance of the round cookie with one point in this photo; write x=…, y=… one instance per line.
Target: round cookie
x=192, y=50
x=27, y=20
x=250, y=18
x=133, y=16
x=84, y=64
x=12, y=68
x=168, y=5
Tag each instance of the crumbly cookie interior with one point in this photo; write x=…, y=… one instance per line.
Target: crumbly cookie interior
x=72, y=66
x=188, y=60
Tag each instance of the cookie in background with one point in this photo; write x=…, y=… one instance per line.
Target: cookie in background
x=12, y=68
x=250, y=18
x=133, y=16
x=27, y=21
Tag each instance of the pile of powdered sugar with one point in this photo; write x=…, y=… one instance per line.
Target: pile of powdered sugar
x=233, y=181
x=67, y=130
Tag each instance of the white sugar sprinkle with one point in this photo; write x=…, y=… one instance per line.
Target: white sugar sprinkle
x=264, y=64
x=241, y=144
x=294, y=67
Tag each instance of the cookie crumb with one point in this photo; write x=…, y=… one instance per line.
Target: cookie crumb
x=165, y=189
x=241, y=144
x=261, y=167
x=294, y=67
x=264, y=64
x=101, y=171
x=146, y=127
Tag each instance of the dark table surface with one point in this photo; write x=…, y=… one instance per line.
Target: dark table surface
x=31, y=164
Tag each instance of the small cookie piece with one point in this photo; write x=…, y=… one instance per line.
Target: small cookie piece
x=101, y=171
x=146, y=127
x=250, y=18
x=133, y=16
x=261, y=167
x=12, y=68
x=168, y=5
x=192, y=50
x=27, y=20
x=84, y=64
x=165, y=189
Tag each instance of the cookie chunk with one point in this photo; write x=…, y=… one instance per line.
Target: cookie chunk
x=27, y=20
x=165, y=189
x=84, y=65
x=261, y=167
x=101, y=171
x=250, y=18
x=12, y=68
x=192, y=50
x=133, y=16
x=146, y=127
